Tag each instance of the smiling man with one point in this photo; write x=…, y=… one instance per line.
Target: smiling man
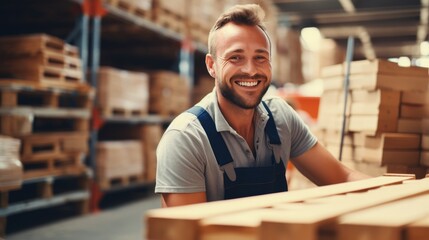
x=232, y=143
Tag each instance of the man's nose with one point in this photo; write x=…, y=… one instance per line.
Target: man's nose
x=249, y=67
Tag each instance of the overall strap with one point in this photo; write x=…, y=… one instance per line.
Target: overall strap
x=218, y=145
x=273, y=135
x=270, y=128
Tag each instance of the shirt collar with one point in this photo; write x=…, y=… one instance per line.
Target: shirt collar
x=223, y=125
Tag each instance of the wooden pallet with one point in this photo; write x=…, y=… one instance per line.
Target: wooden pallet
x=123, y=112
x=45, y=192
x=53, y=165
x=123, y=181
x=32, y=44
x=170, y=20
x=45, y=58
x=24, y=93
x=17, y=122
x=140, y=9
x=47, y=145
x=378, y=208
x=43, y=73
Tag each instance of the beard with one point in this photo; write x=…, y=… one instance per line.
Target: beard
x=229, y=94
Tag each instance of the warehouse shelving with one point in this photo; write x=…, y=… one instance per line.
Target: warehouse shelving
x=146, y=46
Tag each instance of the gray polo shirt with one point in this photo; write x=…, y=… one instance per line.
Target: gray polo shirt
x=187, y=164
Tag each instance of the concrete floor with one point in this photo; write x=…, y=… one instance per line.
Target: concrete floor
x=121, y=218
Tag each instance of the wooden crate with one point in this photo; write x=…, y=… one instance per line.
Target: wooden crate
x=122, y=93
x=169, y=93
x=119, y=163
x=377, y=208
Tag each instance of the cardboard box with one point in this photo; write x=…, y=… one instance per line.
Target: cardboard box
x=117, y=159
x=122, y=92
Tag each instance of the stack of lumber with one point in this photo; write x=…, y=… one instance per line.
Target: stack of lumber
x=382, y=208
x=10, y=165
x=122, y=93
x=170, y=94
x=385, y=113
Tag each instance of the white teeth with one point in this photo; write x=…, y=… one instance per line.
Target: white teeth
x=247, y=84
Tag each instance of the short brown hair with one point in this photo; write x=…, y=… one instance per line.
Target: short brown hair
x=247, y=14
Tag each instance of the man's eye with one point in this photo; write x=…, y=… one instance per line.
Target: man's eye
x=235, y=58
x=261, y=59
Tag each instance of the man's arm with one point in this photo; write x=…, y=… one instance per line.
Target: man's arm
x=318, y=165
x=179, y=199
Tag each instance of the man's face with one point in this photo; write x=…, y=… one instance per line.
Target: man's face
x=242, y=66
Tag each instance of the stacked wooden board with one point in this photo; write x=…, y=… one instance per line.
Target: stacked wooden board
x=387, y=207
x=385, y=113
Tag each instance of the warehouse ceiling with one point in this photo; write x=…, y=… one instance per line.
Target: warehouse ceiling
x=382, y=28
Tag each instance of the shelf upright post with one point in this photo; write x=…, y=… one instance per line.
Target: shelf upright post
x=80, y=36
x=349, y=58
x=95, y=11
x=186, y=61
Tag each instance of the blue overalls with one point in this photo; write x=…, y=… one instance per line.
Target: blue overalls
x=244, y=181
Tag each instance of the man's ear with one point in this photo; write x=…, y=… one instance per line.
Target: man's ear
x=210, y=65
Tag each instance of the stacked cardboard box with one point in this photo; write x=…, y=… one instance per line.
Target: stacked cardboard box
x=384, y=116
x=169, y=93
x=122, y=92
x=203, y=86
x=10, y=165
x=120, y=161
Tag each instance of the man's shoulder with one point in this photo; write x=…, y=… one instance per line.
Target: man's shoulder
x=182, y=121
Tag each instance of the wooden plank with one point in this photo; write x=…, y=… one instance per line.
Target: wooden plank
x=374, y=81
x=383, y=222
x=380, y=97
x=418, y=230
x=425, y=142
x=387, y=67
x=387, y=156
x=372, y=124
x=393, y=141
x=184, y=221
x=362, y=108
x=406, y=125
x=303, y=221
x=414, y=97
x=412, y=111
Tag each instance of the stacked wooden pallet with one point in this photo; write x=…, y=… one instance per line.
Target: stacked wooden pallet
x=384, y=113
x=41, y=58
x=388, y=207
x=45, y=104
x=137, y=8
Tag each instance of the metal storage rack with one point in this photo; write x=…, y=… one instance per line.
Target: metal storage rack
x=85, y=31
